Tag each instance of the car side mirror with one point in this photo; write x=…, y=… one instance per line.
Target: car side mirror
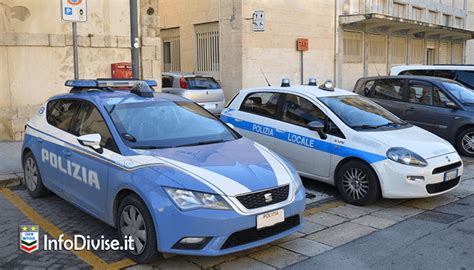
x=451, y=105
x=91, y=140
x=318, y=126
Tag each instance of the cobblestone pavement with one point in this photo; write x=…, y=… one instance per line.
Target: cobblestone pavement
x=329, y=223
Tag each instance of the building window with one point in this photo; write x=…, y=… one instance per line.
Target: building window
x=417, y=14
x=377, y=48
x=446, y=20
x=399, y=50
x=399, y=10
x=352, y=47
x=207, y=48
x=378, y=6
x=171, y=49
x=458, y=23
x=457, y=53
x=416, y=51
x=351, y=7
x=433, y=17
x=445, y=52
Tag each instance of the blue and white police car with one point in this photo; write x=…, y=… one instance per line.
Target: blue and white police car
x=343, y=139
x=161, y=169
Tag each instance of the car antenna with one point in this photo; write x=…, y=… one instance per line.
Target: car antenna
x=268, y=83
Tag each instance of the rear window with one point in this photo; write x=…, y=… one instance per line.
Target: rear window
x=419, y=72
x=202, y=83
x=60, y=113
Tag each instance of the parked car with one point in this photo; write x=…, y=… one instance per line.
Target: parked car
x=202, y=89
x=161, y=169
x=441, y=106
x=346, y=140
x=461, y=73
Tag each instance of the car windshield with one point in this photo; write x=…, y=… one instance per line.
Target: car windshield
x=165, y=124
x=360, y=113
x=202, y=83
x=463, y=94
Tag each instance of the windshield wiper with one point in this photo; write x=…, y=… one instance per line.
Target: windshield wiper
x=201, y=143
x=148, y=147
x=365, y=127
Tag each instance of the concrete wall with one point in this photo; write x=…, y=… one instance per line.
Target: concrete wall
x=36, y=52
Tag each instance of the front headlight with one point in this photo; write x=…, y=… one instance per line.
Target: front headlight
x=187, y=199
x=406, y=157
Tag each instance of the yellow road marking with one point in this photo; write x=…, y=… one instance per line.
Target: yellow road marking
x=322, y=207
x=85, y=255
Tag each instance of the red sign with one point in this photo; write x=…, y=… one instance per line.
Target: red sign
x=302, y=44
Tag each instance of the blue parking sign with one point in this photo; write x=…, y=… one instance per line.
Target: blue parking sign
x=68, y=11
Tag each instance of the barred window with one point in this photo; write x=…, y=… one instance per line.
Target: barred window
x=171, y=49
x=417, y=14
x=446, y=20
x=416, y=51
x=399, y=50
x=377, y=48
x=433, y=17
x=457, y=53
x=445, y=52
x=352, y=47
x=207, y=48
x=399, y=10
x=458, y=22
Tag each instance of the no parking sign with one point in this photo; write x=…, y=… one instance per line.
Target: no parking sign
x=74, y=10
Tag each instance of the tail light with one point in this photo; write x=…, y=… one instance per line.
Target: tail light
x=182, y=83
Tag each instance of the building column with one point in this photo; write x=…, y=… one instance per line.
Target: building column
x=366, y=54
x=389, y=51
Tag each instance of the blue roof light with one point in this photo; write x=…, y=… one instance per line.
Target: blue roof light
x=107, y=83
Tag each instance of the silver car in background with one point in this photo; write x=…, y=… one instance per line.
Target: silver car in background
x=202, y=89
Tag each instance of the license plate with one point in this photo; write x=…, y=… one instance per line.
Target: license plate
x=450, y=175
x=270, y=218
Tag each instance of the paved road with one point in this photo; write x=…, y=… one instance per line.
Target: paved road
x=438, y=239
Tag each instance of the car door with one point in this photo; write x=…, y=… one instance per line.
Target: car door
x=389, y=94
x=59, y=115
x=87, y=184
x=303, y=147
x=427, y=109
x=257, y=117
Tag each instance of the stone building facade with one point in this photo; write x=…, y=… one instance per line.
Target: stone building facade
x=36, y=55
x=348, y=39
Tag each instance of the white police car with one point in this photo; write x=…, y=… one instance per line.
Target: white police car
x=161, y=169
x=346, y=140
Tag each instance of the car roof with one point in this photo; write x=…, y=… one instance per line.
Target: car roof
x=414, y=77
x=185, y=74
x=432, y=67
x=301, y=89
x=117, y=96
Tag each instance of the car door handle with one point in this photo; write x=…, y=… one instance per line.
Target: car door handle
x=410, y=109
x=238, y=120
x=40, y=140
x=66, y=152
x=280, y=130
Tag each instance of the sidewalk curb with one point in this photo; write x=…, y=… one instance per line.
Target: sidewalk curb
x=11, y=180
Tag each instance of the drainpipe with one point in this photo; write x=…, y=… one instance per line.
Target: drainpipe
x=134, y=39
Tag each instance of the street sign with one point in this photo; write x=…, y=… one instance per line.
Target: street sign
x=74, y=10
x=302, y=44
x=258, y=21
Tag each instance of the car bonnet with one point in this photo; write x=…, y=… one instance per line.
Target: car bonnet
x=415, y=139
x=230, y=168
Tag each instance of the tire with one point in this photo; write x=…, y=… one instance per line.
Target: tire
x=32, y=176
x=357, y=183
x=465, y=142
x=129, y=223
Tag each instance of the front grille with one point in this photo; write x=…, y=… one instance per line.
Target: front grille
x=253, y=235
x=257, y=199
x=440, y=187
x=447, y=167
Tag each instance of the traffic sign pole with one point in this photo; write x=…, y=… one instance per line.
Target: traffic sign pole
x=75, y=52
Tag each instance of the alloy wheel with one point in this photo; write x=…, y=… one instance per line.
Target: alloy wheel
x=31, y=174
x=355, y=183
x=468, y=142
x=133, y=226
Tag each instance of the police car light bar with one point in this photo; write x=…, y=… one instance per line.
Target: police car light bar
x=110, y=83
